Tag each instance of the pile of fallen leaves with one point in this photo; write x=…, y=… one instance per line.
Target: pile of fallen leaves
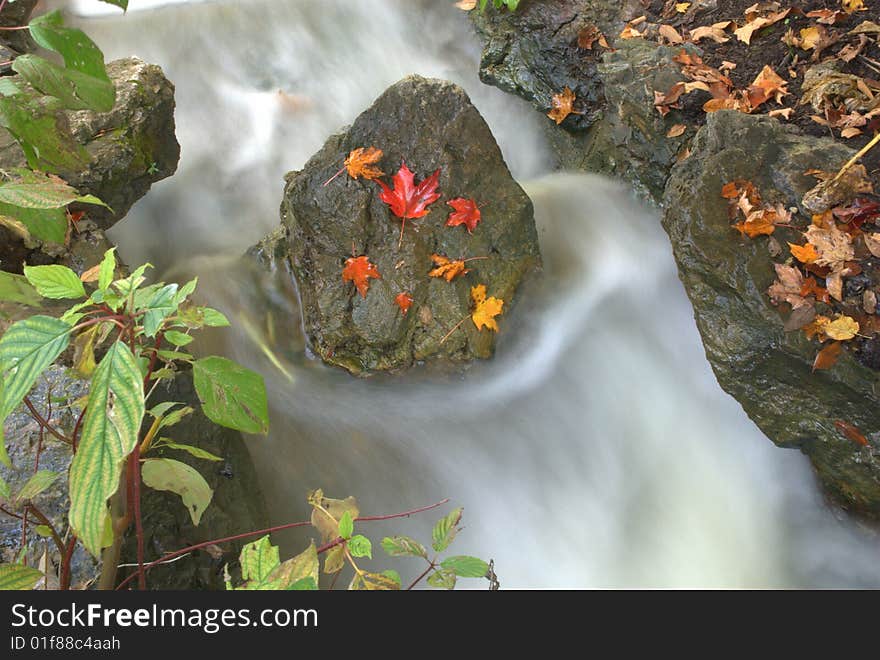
x=409, y=200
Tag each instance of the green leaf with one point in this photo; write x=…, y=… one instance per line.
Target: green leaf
x=75, y=90
x=193, y=451
x=173, y=418
x=334, y=560
x=81, y=55
x=47, y=225
x=391, y=574
x=374, y=582
x=43, y=133
x=4, y=487
x=302, y=567
x=464, y=566
x=118, y=3
x=360, y=546
x=180, y=478
x=15, y=577
x=43, y=530
x=185, y=291
x=445, y=530
x=26, y=349
x=346, y=525
x=132, y=282
x=160, y=306
x=108, y=268
x=397, y=546
x=178, y=338
x=55, y=281
x=442, y=579
x=258, y=560
x=304, y=584
x=231, y=395
x=160, y=409
x=16, y=288
x=109, y=434
x=175, y=355
x=36, y=191
x=39, y=482
x=214, y=319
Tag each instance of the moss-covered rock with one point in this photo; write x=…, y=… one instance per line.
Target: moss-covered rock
x=429, y=124
x=768, y=370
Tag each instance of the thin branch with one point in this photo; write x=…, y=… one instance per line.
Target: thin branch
x=430, y=568
x=44, y=423
x=138, y=522
x=45, y=521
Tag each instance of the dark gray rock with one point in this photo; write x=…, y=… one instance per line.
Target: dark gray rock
x=431, y=125
x=237, y=505
x=766, y=369
x=131, y=147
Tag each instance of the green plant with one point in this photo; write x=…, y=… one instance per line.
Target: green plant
x=510, y=4
x=141, y=332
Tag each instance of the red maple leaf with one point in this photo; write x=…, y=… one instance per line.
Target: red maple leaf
x=359, y=270
x=404, y=301
x=408, y=200
x=466, y=213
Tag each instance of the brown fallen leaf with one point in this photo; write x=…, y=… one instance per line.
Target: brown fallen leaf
x=827, y=16
x=852, y=6
x=562, y=105
x=447, y=268
x=838, y=190
x=590, y=35
x=828, y=356
x=834, y=247
x=869, y=301
x=787, y=287
x=872, y=241
x=361, y=163
x=758, y=17
x=676, y=130
x=842, y=328
x=466, y=5
x=785, y=113
x=768, y=84
x=851, y=432
x=804, y=253
x=811, y=288
x=670, y=34
x=630, y=31
x=715, y=32
x=665, y=102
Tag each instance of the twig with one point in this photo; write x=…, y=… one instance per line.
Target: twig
x=431, y=567
x=43, y=519
x=270, y=530
x=138, y=522
x=43, y=423
x=858, y=155
x=457, y=326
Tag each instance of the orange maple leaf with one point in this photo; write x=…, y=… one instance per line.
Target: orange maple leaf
x=360, y=162
x=447, y=268
x=466, y=213
x=806, y=254
x=408, y=199
x=404, y=301
x=562, y=105
x=359, y=270
x=486, y=308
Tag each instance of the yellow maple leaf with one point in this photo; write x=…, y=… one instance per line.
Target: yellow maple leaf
x=447, y=268
x=806, y=254
x=852, y=6
x=682, y=7
x=486, y=308
x=842, y=328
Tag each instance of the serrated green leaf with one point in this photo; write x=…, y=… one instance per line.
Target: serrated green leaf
x=346, y=525
x=231, y=395
x=47, y=225
x=26, y=349
x=16, y=288
x=109, y=434
x=180, y=478
x=397, y=546
x=81, y=55
x=360, y=546
x=214, y=319
x=464, y=566
x=391, y=574
x=442, y=579
x=75, y=90
x=43, y=133
x=15, y=577
x=258, y=560
x=193, y=451
x=445, y=530
x=126, y=285
x=39, y=191
x=160, y=306
x=55, y=282
x=177, y=338
x=175, y=355
x=108, y=268
x=38, y=482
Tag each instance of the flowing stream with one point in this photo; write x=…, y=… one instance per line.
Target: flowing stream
x=595, y=450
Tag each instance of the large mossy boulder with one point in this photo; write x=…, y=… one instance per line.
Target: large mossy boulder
x=130, y=148
x=769, y=371
x=431, y=125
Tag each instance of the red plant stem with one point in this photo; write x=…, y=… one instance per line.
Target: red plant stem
x=116, y=319
x=2, y=5
x=419, y=579
x=64, y=581
x=76, y=428
x=24, y=524
x=43, y=519
x=153, y=359
x=6, y=63
x=332, y=544
x=9, y=513
x=18, y=27
x=138, y=522
x=43, y=423
x=270, y=530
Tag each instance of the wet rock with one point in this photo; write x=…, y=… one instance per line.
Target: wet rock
x=767, y=370
x=432, y=125
x=131, y=147
x=236, y=506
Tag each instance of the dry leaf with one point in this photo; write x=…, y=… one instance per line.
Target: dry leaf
x=359, y=270
x=590, y=35
x=872, y=241
x=92, y=274
x=466, y=5
x=682, y=7
x=562, y=105
x=447, y=268
x=670, y=34
x=806, y=254
x=787, y=287
x=785, y=113
x=486, y=308
x=466, y=213
x=869, y=301
x=768, y=84
x=834, y=246
x=361, y=162
x=715, y=32
x=630, y=32
x=676, y=130
x=756, y=21
x=852, y=6
x=851, y=432
x=827, y=357
x=842, y=328
x=404, y=301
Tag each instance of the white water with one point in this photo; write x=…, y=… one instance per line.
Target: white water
x=597, y=448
